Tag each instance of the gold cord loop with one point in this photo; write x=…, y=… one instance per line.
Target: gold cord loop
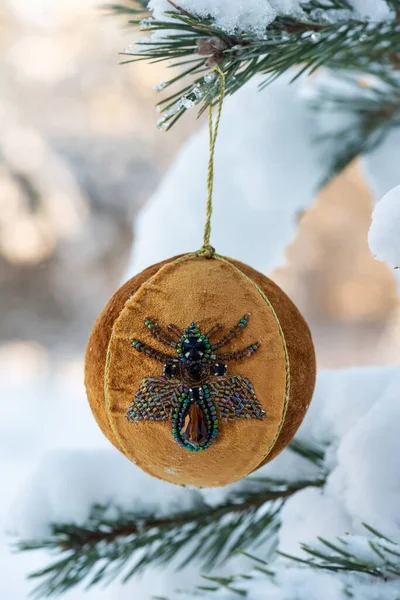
x=207, y=250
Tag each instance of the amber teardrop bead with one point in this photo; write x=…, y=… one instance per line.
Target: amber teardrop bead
x=194, y=430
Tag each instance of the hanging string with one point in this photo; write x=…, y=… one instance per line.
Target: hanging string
x=206, y=250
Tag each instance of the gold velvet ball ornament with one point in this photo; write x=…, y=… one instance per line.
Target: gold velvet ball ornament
x=200, y=370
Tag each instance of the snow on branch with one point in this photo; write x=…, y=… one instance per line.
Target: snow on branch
x=360, y=567
x=255, y=15
x=266, y=172
x=229, y=15
x=342, y=472
x=265, y=37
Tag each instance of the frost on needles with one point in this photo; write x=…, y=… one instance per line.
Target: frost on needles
x=349, y=39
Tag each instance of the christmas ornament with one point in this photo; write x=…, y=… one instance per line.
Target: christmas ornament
x=200, y=369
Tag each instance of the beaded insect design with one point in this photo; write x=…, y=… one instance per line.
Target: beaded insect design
x=185, y=390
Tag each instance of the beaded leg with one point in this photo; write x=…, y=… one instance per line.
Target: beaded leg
x=213, y=330
x=240, y=353
x=232, y=333
x=160, y=356
x=159, y=334
x=175, y=330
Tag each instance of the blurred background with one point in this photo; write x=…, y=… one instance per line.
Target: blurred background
x=79, y=155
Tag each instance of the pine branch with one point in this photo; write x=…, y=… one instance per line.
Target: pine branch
x=104, y=548
x=309, y=451
x=330, y=35
x=376, y=556
x=139, y=8
x=368, y=109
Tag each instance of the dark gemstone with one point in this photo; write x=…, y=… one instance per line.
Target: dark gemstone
x=194, y=393
x=219, y=369
x=194, y=430
x=169, y=370
x=195, y=371
x=193, y=348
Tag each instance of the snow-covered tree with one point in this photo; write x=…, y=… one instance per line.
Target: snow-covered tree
x=322, y=520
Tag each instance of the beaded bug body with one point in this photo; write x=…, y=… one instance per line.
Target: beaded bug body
x=193, y=388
